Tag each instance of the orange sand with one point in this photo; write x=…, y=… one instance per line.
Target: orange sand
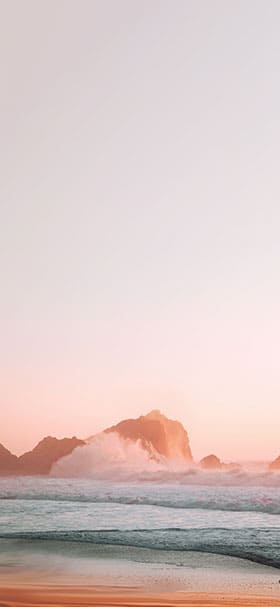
x=81, y=596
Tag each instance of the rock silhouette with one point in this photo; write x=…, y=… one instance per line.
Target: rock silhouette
x=40, y=459
x=158, y=434
x=46, y=453
x=8, y=461
x=211, y=462
x=275, y=465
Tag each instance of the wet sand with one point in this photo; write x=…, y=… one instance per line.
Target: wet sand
x=36, y=577
x=81, y=596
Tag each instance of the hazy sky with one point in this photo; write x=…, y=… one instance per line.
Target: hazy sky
x=140, y=219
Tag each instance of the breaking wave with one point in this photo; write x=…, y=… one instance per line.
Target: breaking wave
x=256, y=545
x=180, y=515
x=170, y=496
x=111, y=457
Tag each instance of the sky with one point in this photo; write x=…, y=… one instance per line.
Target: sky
x=140, y=219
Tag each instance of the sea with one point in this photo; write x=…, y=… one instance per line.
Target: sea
x=109, y=511
x=233, y=514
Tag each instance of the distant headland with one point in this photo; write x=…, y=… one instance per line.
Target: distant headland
x=159, y=437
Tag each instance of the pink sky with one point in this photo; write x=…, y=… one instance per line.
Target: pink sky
x=140, y=220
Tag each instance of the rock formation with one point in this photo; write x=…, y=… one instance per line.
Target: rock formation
x=40, y=459
x=46, y=453
x=211, y=462
x=8, y=461
x=158, y=435
x=275, y=465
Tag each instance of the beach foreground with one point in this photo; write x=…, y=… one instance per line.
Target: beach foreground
x=45, y=579
x=75, y=596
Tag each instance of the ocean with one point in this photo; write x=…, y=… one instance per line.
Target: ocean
x=233, y=514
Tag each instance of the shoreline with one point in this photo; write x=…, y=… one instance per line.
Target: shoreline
x=55, y=574
x=39, y=576
x=48, y=563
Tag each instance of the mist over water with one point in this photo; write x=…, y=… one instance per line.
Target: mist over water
x=111, y=457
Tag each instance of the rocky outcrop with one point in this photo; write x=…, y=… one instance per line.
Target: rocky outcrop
x=8, y=461
x=275, y=465
x=159, y=435
x=40, y=459
x=46, y=453
x=211, y=462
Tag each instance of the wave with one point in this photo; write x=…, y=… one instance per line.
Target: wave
x=110, y=456
x=114, y=458
x=256, y=545
x=254, y=505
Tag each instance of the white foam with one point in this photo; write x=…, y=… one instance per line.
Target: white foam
x=108, y=456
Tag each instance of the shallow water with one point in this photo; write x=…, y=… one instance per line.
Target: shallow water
x=234, y=521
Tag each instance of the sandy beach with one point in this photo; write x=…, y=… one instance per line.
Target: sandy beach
x=48, y=579
x=75, y=596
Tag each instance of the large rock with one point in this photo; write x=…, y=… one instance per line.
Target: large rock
x=211, y=462
x=46, y=453
x=8, y=461
x=158, y=435
x=275, y=465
